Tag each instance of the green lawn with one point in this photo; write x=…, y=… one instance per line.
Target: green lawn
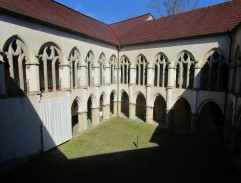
x=108, y=154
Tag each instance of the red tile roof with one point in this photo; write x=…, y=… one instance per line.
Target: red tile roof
x=56, y=14
x=204, y=21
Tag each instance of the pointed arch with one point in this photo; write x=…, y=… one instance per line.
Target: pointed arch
x=124, y=103
x=211, y=118
x=182, y=114
x=159, y=109
x=161, y=70
x=214, y=71
x=113, y=64
x=140, y=106
x=185, y=70
x=89, y=62
x=74, y=58
x=50, y=58
x=101, y=62
x=141, y=70
x=16, y=57
x=125, y=70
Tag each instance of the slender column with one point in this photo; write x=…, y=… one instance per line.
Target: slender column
x=158, y=74
x=20, y=72
x=46, y=87
x=95, y=116
x=210, y=76
x=127, y=74
x=180, y=75
x=82, y=121
x=188, y=72
x=139, y=74
x=144, y=73
x=119, y=108
x=163, y=74
x=2, y=77
x=132, y=111
x=150, y=76
x=72, y=74
x=106, y=111
x=194, y=124
x=149, y=114
x=53, y=75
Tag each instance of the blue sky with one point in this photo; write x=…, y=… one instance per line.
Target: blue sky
x=111, y=11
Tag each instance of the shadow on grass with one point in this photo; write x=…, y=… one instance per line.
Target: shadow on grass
x=178, y=158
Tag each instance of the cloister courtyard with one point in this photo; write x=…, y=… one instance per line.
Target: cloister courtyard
x=109, y=153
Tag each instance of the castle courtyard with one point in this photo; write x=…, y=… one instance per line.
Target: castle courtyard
x=109, y=153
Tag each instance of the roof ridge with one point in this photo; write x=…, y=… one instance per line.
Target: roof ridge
x=131, y=18
x=113, y=34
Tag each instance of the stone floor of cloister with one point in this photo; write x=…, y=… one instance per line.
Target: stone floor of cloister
x=108, y=153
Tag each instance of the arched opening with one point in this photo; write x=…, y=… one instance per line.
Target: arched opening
x=211, y=119
x=101, y=106
x=49, y=58
x=113, y=69
x=141, y=107
x=223, y=77
x=15, y=67
x=161, y=71
x=204, y=76
x=125, y=104
x=102, y=65
x=159, y=110
x=141, y=71
x=74, y=117
x=74, y=68
x=182, y=115
x=89, y=60
x=185, y=70
x=112, y=96
x=89, y=110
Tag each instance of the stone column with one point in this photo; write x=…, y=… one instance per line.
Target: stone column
x=82, y=121
x=169, y=118
x=194, y=124
x=82, y=76
x=115, y=103
x=106, y=111
x=119, y=108
x=149, y=114
x=95, y=116
x=132, y=111
x=2, y=77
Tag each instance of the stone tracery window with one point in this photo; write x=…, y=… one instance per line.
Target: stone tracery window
x=74, y=66
x=90, y=61
x=125, y=70
x=161, y=71
x=185, y=71
x=214, y=72
x=237, y=72
x=112, y=69
x=16, y=57
x=102, y=65
x=141, y=70
x=50, y=59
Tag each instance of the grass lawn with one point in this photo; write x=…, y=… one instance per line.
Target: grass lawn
x=108, y=154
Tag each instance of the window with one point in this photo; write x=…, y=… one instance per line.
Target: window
x=74, y=66
x=102, y=66
x=185, y=71
x=112, y=69
x=161, y=71
x=141, y=70
x=49, y=68
x=89, y=61
x=125, y=70
x=15, y=58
